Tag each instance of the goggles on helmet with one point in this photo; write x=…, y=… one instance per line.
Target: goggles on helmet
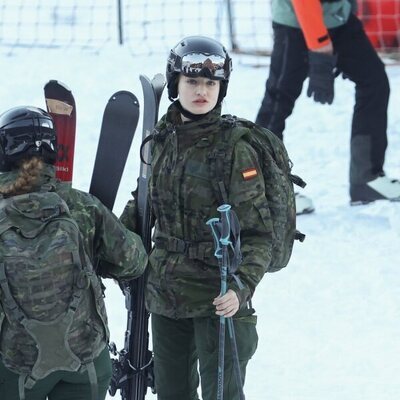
x=198, y=64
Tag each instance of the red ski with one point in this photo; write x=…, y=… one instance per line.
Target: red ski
x=60, y=104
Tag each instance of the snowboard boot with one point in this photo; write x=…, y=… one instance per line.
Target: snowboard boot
x=380, y=188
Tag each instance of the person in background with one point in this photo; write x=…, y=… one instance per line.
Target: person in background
x=183, y=286
x=37, y=290
x=320, y=39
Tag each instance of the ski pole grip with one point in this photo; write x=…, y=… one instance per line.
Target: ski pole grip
x=212, y=222
x=226, y=226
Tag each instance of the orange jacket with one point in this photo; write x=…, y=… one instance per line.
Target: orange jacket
x=311, y=19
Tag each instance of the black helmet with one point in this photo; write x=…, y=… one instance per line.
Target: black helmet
x=198, y=56
x=26, y=131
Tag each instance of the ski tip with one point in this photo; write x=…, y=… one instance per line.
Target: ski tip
x=160, y=79
x=144, y=78
x=55, y=83
x=124, y=93
x=59, y=98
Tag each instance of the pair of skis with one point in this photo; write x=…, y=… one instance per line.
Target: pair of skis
x=118, y=127
x=133, y=370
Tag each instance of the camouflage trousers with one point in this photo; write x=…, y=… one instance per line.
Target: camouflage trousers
x=180, y=345
x=59, y=385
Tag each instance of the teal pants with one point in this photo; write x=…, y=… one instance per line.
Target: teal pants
x=59, y=385
x=180, y=346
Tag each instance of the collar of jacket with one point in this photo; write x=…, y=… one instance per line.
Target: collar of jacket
x=190, y=133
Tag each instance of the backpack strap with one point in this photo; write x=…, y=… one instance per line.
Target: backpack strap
x=21, y=385
x=142, y=146
x=220, y=158
x=300, y=236
x=17, y=314
x=94, y=387
x=297, y=180
x=217, y=160
x=158, y=135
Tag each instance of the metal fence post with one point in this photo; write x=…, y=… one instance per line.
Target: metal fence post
x=231, y=23
x=120, y=22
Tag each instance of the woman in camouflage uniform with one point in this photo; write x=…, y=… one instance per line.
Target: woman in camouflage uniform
x=183, y=284
x=28, y=148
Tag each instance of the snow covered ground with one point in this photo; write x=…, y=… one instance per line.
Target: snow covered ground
x=329, y=324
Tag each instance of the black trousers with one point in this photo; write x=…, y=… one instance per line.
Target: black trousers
x=360, y=63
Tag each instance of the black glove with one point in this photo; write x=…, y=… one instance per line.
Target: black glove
x=321, y=71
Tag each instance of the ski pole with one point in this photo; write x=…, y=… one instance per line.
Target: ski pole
x=235, y=354
x=215, y=225
x=221, y=231
x=226, y=214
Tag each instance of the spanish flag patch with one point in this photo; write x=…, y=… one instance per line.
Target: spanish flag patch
x=249, y=173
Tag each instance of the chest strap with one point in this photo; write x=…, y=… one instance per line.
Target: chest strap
x=202, y=251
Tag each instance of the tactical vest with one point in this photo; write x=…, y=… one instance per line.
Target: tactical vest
x=49, y=291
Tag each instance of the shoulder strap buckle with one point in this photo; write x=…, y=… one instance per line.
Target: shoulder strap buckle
x=228, y=120
x=47, y=187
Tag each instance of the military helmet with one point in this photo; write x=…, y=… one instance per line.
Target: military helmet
x=26, y=131
x=198, y=56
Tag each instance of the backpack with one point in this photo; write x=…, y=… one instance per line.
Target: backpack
x=44, y=274
x=276, y=169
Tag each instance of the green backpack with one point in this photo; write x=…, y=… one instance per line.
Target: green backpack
x=44, y=276
x=276, y=168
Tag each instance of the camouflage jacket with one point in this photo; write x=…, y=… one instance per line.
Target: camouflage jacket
x=183, y=275
x=121, y=254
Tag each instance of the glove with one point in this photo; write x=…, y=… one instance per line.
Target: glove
x=322, y=76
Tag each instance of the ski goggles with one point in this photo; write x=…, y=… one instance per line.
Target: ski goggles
x=210, y=65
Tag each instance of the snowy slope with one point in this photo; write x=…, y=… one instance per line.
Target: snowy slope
x=329, y=324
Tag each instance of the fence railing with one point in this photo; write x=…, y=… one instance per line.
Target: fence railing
x=148, y=27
